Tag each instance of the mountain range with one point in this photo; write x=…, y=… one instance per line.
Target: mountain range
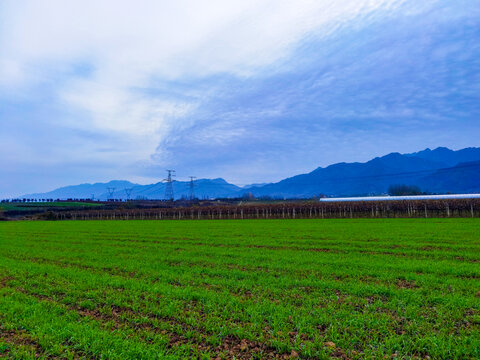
x=436, y=171
x=204, y=189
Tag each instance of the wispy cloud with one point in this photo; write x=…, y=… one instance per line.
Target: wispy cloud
x=223, y=88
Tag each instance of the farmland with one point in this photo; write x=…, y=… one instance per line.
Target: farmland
x=262, y=289
x=12, y=210
x=35, y=205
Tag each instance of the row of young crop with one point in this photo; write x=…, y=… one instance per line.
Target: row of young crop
x=365, y=209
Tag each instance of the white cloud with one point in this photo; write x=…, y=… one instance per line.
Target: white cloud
x=130, y=43
x=130, y=40
x=141, y=120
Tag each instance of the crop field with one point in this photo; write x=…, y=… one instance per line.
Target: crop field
x=34, y=205
x=11, y=210
x=240, y=289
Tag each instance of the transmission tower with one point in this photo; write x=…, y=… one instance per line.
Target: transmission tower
x=111, y=190
x=192, y=187
x=128, y=192
x=169, y=187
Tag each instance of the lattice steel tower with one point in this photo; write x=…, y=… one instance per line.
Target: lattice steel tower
x=169, y=186
x=111, y=191
x=192, y=187
x=128, y=192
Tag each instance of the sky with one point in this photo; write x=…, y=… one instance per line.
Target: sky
x=250, y=91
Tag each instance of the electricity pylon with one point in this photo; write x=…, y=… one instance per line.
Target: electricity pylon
x=128, y=192
x=192, y=187
x=111, y=191
x=169, y=186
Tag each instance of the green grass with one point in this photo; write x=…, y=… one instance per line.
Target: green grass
x=36, y=205
x=359, y=289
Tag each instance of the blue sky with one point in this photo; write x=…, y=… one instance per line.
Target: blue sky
x=251, y=91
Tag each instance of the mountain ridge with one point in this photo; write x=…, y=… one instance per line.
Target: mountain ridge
x=437, y=170
x=204, y=188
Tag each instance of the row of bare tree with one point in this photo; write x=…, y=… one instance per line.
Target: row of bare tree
x=364, y=209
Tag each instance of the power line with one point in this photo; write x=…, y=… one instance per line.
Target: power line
x=146, y=188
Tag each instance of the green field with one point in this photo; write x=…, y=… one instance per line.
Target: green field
x=266, y=289
x=22, y=206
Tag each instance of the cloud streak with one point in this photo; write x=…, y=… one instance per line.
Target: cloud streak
x=127, y=45
x=221, y=88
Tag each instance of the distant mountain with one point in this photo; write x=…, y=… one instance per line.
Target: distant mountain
x=462, y=178
x=204, y=188
x=254, y=185
x=446, y=157
x=438, y=171
x=83, y=191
